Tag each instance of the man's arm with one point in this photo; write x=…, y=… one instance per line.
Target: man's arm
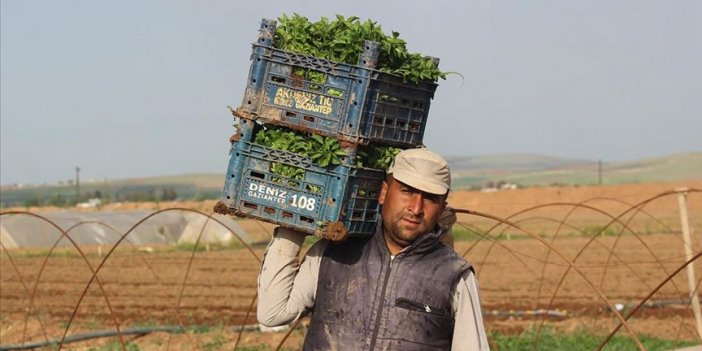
x=287, y=288
x=469, y=331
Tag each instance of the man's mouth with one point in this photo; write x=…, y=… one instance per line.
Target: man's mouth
x=411, y=221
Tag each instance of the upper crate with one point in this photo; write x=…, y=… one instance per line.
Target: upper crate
x=357, y=104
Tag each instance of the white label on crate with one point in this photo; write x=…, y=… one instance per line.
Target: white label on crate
x=303, y=202
x=273, y=194
x=303, y=100
x=264, y=192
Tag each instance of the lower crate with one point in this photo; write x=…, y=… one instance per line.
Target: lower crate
x=328, y=202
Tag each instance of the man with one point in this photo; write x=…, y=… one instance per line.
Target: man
x=401, y=289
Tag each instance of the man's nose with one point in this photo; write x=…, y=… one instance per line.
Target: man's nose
x=416, y=206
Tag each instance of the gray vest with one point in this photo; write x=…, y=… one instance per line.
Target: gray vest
x=366, y=302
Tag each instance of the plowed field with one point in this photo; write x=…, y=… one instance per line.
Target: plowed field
x=523, y=281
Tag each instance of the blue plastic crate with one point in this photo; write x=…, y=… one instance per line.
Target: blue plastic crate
x=327, y=202
x=357, y=104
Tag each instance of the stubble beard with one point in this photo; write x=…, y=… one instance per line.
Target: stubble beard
x=400, y=235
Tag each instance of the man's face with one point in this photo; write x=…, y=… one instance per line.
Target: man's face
x=408, y=212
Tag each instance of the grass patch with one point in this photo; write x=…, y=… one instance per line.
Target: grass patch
x=116, y=346
x=578, y=341
x=463, y=234
x=59, y=252
x=260, y=348
x=122, y=249
x=310, y=240
x=233, y=244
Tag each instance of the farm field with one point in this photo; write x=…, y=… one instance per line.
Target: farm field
x=523, y=281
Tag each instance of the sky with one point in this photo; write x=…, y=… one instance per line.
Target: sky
x=136, y=88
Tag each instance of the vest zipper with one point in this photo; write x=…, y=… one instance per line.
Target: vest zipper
x=382, y=303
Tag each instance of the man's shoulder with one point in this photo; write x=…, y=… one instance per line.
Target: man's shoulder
x=450, y=256
x=347, y=251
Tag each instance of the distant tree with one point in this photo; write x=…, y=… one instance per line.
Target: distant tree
x=32, y=202
x=168, y=194
x=58, y=200
x=202, y=196
x=150, y=195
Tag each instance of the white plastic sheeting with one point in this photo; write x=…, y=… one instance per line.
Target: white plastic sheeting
x=104, y=228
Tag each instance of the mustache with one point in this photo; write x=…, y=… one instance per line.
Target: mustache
x=412, y=218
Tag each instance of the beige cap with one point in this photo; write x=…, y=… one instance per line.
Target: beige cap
x=423, y=170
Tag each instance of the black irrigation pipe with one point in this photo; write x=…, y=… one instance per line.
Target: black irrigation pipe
x=175, y=329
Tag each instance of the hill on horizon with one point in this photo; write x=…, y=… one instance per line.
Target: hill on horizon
x=540, y=170
x=468, y=172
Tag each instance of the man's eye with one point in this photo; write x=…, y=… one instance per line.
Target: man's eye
x=433, y=199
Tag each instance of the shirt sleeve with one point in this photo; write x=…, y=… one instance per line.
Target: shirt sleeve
x=469, y=330
x=286, y=287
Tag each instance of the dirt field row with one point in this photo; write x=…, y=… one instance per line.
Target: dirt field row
x=517, y=277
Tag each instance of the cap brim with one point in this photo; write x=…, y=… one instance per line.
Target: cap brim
x=425, y=185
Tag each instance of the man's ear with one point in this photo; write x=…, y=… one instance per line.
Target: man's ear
x=383, y=192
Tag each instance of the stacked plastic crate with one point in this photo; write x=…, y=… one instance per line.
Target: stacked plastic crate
x=355, y=104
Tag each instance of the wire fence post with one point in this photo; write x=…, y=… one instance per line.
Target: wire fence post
x=685, y=224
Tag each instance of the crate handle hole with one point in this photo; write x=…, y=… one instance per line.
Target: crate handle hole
x=290, y=114
x=269, y=210
x=306, y=219
x=287, y=214
x=258, y=175
x=250, y=205
x=308, y=118
x=313, y=188
x=278, y=79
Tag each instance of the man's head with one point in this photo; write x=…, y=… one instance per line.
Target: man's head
x=413, y=196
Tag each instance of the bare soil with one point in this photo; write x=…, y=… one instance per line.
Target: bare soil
x=553, y=264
